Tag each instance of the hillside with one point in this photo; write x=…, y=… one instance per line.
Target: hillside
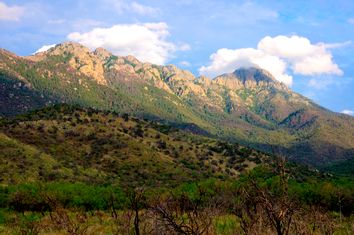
x=248, y=106
x=64, y=143
x=71, y=170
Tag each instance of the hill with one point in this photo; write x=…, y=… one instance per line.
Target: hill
x=248, y=106
x=71, y=170
x=71, y=144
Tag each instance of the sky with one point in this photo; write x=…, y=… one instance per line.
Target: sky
x=308, y=45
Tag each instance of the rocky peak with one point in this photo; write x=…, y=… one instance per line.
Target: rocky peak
x=102, y=53
x=229, y=80
x=131, y=59
x=68, y=47
x=172, y=73
x=254, y=74
x=81, y=59
x=250, y=78
x=204, y=80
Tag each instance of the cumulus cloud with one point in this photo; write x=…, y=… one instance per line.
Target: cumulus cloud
x=11, y=13
x=148, y=42
x=304, y=57
x=278, y=55
x=348, y=112
x=44, y=48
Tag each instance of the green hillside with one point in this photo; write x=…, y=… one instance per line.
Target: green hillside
x=64, y=143
x=71, y=170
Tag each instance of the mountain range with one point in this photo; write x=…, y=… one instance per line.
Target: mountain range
x=248, y=106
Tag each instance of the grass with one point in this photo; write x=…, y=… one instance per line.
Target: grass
x=226, y=225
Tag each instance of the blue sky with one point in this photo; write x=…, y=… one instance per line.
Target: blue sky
x=308, y=45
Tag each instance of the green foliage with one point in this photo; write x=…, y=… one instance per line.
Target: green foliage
x=344, y=168
x=192, y=199
x=34, y=197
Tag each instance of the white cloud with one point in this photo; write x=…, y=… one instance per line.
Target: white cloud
x=11, y=13
x=146, y=41
x=278, y=55
x=123, y=5
x=304, y=57
x=351, y=20
x=348, y=112
x=337, y=45
x=44, y=48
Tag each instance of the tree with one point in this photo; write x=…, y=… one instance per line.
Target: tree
x=182, y=215
x=258, y=200
x=136, y=199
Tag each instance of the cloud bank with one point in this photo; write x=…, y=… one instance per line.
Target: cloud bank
x=148, y=42
x=278, y=55
x=11, y=13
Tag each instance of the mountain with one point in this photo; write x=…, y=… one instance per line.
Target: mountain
x=248, y=106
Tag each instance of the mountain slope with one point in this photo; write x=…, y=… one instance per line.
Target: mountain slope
x=248, y=106
x=64, y=143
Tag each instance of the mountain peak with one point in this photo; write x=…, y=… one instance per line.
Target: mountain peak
x=70, y=44
x=132, y=59
x=102, y=53
x=250, y=77
x=71, y=47
x=254, y=74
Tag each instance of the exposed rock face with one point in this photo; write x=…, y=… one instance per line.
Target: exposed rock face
x=102, y=54
x=81, y=59
x=251, y=78
x=106, y=68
